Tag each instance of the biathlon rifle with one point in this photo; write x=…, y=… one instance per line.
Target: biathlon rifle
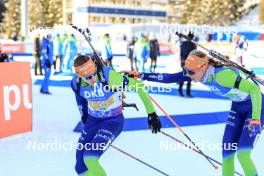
x=225, y=59
x=99, y=61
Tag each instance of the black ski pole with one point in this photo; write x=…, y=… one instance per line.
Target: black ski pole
x=139, y=160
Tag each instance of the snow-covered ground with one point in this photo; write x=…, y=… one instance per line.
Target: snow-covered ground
x=55, y=117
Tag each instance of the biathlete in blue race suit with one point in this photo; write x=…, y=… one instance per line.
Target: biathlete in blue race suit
x=101, y=111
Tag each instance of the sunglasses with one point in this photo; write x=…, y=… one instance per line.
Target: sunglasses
x=87, y=78
x=189, y=72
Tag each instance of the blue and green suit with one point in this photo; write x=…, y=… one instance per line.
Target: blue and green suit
x=101, y=112
x=247, y=104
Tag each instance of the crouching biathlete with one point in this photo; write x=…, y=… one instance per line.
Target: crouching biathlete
x=243, y=126
x=100, y=103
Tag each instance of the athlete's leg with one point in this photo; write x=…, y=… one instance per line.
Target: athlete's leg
x=155, y=64
x=107, y=133
x=70, y=61
x=131, y=63
x=246, y=145
x=151, y=64
x=244, y=157
x=233, y=129
x=245, y=148
x=45, y=84
x=88, y=133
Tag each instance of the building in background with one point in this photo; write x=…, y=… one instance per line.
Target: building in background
x=94, y=12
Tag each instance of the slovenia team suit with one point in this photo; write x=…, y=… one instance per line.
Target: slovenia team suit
x=101, y=112
x=246, y=105
x=46, y=62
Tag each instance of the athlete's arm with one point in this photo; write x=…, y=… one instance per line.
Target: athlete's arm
x=81, y=102
x=165, y=77
x=228, y=77
x=116, y=80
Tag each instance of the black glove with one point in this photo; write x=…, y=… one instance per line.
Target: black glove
x=134, y=74
x=154, y=122
x=47, y=63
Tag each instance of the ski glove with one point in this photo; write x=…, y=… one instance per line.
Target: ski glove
x=154, y=122
x=254, y=127
x=47, y=63
x=134, y=74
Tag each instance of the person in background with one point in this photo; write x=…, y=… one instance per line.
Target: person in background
x=4, y=57
x=241, y=47
x=37, y=53
x=106, y=50
x=15, y=38
x=141, y=52
x=186, y=47
x=154, y=51
x=59, y=53
x=46, y=61
x=23, y=39
x=209, y=37
x=130, y=51
x=72, y=48
x=64, y=51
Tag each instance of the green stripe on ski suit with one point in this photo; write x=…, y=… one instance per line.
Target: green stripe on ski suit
x=116, y=80
x=244, y=157
x=227, y=78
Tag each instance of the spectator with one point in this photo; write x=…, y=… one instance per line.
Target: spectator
x=46, y=61
x=64, y=51
x=59, y=53
x=71, y=47
x=154, y=51
x=130, y=51
x=37, y=48
x=141, y=52
x=185, y=48
x=15, y=38
x=241, y=47
x=3, y=56
x=106, y=50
